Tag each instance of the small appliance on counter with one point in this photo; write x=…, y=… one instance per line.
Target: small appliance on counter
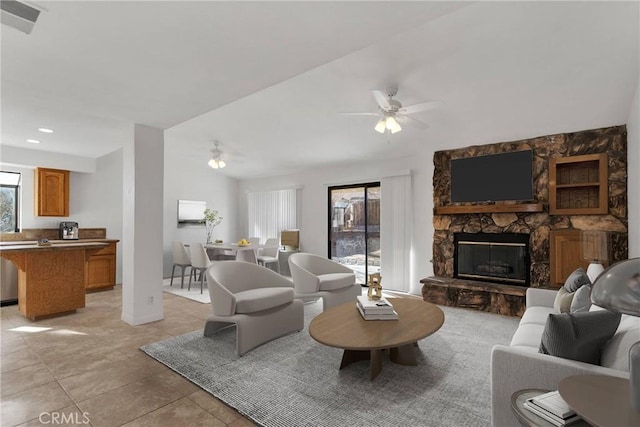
x=69, y=230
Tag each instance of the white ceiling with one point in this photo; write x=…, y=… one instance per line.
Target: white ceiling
x=268, y=79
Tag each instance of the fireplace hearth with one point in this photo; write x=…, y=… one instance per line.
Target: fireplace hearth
x=501, y=258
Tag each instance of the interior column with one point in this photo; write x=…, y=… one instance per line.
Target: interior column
x=142, y=240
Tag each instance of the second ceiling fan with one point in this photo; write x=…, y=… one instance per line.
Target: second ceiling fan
x=393, y=112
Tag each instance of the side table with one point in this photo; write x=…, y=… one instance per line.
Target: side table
x=602, y=400
x=528, y=418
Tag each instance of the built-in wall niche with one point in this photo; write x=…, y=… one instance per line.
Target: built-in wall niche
x=578, y=185
x=191, y=213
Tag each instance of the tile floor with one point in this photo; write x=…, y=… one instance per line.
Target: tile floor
x=86, y=369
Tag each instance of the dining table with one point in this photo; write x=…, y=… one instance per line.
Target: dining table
x=246, y=253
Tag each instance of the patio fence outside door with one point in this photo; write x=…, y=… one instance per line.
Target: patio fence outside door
x=354, y=228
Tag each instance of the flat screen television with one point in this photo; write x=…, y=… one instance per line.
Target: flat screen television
x=495, y=177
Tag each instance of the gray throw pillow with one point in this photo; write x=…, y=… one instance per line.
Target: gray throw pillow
x=578, y=336
x=576, y=279
x=581, y=300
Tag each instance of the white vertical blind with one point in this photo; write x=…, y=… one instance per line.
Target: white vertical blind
x=270, y=212
x=395, y=232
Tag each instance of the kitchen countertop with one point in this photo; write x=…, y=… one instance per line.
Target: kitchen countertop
x=55, y=245
x=55, y=242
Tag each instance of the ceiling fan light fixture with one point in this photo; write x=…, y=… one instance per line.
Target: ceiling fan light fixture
x=392, y=124
x=381, y=126
x=216, y=161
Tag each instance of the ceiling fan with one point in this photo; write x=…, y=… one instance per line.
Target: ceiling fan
x=393, y=113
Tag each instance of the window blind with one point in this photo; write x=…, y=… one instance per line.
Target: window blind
x=270, y=212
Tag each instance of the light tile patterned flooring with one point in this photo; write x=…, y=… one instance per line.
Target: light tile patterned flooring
x=86, y=369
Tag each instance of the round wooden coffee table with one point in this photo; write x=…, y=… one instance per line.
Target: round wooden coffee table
x=343, y=327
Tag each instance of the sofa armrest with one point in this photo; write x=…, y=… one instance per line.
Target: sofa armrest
x=514, y=369
x=541, y=297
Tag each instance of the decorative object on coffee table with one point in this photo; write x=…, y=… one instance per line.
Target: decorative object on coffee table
x=375, y=286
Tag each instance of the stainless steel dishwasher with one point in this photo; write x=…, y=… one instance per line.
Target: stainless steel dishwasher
x=8, y=283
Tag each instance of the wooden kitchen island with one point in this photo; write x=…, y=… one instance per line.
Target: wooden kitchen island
x=51, y=279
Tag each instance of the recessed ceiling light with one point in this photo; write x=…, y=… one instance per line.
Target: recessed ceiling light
x=45, y=130
x=33, y=141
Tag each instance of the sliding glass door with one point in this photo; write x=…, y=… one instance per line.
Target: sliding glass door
x=354, y=228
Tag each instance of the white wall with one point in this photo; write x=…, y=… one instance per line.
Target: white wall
x=633, y=177
x=314, y=187
x=96, y=200
x=188, y=177
x=19, y=156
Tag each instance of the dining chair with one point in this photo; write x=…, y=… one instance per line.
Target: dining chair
x=199, y=263
x=269, y=254
x=254, y=240
x=181, y=259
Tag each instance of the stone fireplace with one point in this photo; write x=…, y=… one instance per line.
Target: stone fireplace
x=490, y=257
x=456, y=283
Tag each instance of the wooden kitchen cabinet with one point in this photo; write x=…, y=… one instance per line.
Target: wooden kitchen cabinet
x=100, y=274
x=51, y=192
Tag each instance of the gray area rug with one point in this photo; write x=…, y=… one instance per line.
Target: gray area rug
x=295, y=381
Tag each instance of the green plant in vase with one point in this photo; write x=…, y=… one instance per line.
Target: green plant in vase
x=211, y=219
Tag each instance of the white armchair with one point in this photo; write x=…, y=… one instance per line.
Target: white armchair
x=259, y=301
x=315, y=276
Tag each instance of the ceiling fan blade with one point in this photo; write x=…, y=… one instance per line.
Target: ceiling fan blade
x=424, y=106
x=381, y=99
x=412, y=122
x=359, y=114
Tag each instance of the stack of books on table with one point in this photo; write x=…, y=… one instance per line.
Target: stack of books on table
x=376, y=309
x=552, y=407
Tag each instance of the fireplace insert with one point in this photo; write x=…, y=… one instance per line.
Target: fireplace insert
x=492, y=257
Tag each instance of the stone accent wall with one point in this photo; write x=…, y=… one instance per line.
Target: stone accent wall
x=612, y=140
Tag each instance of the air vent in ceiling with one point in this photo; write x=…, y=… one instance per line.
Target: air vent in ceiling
x=18, y=15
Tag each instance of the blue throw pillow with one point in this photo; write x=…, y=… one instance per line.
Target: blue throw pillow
x=578, y=336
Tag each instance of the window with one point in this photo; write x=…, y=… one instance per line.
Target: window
x=9, y=201
x=270, y=212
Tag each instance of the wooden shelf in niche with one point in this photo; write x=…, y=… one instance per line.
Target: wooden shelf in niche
x=465, y=209
x=578, y=185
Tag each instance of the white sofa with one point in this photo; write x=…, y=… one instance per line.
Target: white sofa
x=520, y=365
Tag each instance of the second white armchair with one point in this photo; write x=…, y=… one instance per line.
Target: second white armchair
x=315, y=276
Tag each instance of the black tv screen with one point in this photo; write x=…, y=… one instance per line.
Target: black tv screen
x=496, y=177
